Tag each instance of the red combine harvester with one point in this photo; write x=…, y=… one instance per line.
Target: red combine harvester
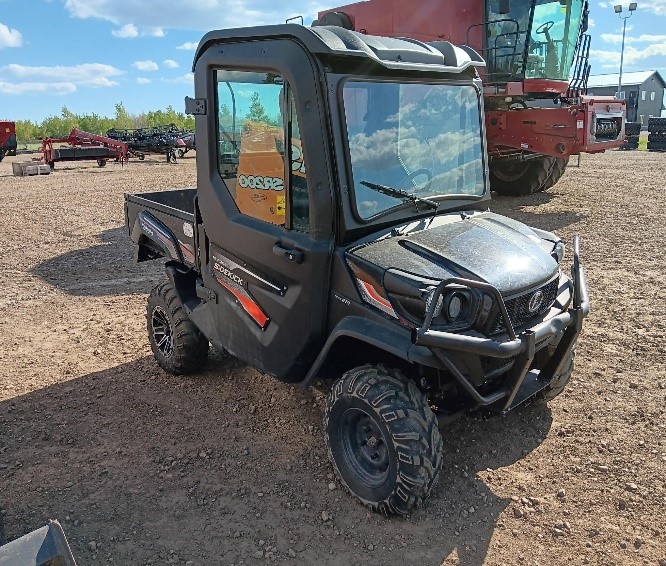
x=84, y=146
x=535, y=82
x=7, y=139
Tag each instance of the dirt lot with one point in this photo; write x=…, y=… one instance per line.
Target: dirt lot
x=229, y=467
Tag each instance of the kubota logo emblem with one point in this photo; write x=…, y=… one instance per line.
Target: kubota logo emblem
x=535, y=301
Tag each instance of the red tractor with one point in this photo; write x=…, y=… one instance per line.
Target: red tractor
x=536, y=51
x=7, y=139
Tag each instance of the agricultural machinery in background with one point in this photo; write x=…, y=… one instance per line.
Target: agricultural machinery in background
x=189, y=141
x=536, y=116
x=84, y=146
x=7, y=139
x=657, y=134
x=164, y=140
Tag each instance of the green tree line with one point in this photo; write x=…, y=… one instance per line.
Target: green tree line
x=60, y=126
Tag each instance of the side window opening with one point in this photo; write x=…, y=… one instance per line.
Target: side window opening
x=255, y=112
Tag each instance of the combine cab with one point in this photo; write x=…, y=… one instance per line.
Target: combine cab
x=535, y=116
x=7, y=139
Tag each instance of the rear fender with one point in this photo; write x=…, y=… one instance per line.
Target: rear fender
x=153, y=236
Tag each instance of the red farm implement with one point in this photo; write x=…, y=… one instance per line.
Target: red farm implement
x=84, y=146
x=7, y=139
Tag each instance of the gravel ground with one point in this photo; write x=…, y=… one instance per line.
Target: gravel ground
x=229, y=467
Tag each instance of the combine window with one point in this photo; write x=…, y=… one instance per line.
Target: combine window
x=534, y=39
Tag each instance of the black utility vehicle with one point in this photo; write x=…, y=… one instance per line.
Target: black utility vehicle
x=339, y=230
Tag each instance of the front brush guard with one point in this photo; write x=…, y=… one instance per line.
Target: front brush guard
x=521, y=383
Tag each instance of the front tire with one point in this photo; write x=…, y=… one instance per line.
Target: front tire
x=177, y=344
x=526, y=177
x=382, y=439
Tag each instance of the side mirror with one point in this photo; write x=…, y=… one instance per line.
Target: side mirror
x=504, y=7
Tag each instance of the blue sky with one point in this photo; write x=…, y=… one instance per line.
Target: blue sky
x=90, y=54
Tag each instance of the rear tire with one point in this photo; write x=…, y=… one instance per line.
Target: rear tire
x=526, y=177
x=382, y=439
x=178, y=345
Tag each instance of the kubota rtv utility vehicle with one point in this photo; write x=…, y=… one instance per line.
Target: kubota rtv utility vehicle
x=339, y=229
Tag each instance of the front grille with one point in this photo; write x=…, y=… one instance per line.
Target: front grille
x=518, y=307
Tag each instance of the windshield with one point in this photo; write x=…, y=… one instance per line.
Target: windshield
x=548, y=51
x=422, y=140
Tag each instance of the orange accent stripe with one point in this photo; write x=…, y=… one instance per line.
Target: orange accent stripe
x=252, y=308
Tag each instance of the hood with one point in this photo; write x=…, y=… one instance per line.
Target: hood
x=483, y=246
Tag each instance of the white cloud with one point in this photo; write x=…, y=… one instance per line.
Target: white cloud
x=10, y=37
x=143, y=81
x=187, y=78
x=128, y=31
x=87, y=74
x=200, y=15
x=170, y=64
x=603, y=5
x=145, y=66
x=154, y=32
x=51, y=88
x=644, y=38
x=611, y=59
x=188, y=46
x=591, y=23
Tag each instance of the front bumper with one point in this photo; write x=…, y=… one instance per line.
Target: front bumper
x=521, y=382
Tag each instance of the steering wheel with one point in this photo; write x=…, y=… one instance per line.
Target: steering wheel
x=417, y=172
x=545, y=27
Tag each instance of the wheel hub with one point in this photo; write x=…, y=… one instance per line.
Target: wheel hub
x=365, y=447
x=162, y=333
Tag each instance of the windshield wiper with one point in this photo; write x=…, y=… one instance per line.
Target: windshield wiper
x=402, y=195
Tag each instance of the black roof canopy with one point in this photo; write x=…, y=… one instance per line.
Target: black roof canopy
x=331, y=41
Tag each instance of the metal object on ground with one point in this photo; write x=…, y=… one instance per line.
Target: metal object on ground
x=47, y=546
x=27, y=168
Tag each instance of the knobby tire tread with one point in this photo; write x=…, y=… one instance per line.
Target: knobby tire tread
x=418, y=442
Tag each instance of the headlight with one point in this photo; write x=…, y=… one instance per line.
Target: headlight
x=455, y=306
x=558, y=252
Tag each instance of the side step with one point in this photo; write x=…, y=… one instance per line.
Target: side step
x=44, y=547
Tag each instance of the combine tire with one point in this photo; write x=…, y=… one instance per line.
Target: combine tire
x=179, y=347
x=657, y=138
x=657, y=125
x=382, y=439
x=526, y=177
x=656, y=146
x=632, y=128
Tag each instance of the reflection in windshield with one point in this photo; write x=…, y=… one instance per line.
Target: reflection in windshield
x=422, y=139
x=550, y=46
